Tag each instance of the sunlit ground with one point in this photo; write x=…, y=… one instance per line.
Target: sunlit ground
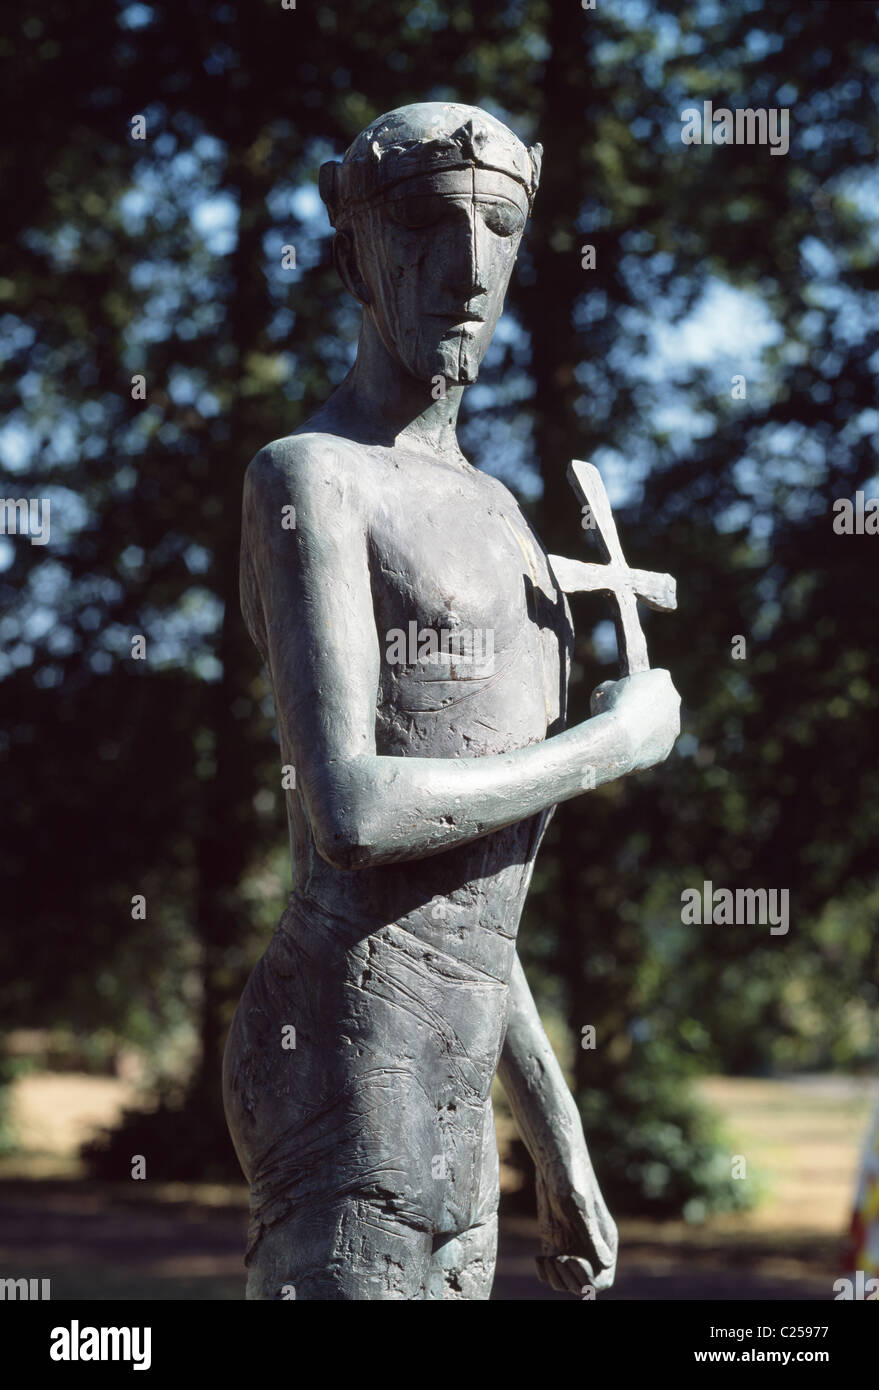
x=800, y=1139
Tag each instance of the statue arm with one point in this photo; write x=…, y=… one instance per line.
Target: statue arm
x=544, y=1110
x=323, y=653
x=578, y=1234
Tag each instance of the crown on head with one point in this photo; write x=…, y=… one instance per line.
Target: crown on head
x=411, y=142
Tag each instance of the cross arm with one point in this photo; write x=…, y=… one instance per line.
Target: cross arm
x=658, y=591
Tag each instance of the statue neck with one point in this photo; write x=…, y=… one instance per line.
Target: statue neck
x=385, y=404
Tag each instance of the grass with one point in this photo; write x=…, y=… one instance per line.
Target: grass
x=800, y=1138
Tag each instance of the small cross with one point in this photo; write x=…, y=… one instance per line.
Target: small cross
x=615, y=578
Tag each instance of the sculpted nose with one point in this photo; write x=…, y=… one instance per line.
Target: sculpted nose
x=466, y=270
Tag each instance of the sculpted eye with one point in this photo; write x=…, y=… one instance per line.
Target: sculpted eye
x=502, y=218
x=418, y=210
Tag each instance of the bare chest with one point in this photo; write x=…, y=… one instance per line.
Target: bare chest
x=473, y=634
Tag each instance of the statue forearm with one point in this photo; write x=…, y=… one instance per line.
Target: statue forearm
x=374, y=810
x=576, y=1229
x=542, y=1105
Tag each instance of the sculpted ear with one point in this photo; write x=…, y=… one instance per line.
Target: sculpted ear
x=345, y=260
x=536, y=155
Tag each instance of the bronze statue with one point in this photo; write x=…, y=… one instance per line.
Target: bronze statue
x=425, y=773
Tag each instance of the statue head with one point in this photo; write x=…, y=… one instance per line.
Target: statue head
x=429, y=205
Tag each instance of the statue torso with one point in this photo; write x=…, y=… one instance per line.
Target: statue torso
x=395, y=976
x=451, y=552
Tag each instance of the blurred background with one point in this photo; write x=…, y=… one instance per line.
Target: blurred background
x=156, y=331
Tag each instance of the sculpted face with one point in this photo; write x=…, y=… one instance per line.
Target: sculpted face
x=436, y=257
x=430, y=203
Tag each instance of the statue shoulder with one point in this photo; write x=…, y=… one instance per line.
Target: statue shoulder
x=310, y=471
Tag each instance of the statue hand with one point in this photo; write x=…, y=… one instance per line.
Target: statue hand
x=650, y=710
x=577, y=1231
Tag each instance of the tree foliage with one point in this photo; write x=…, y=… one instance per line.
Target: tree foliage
x=161, y=258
